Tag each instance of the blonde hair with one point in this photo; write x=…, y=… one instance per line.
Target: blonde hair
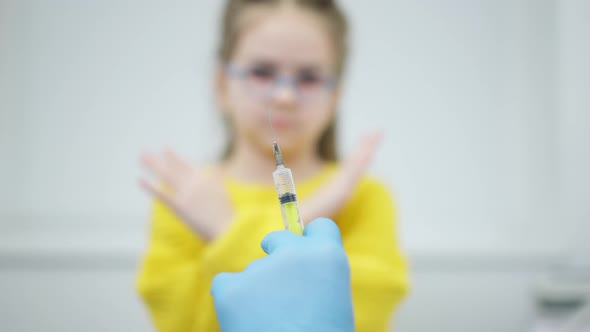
x=337, y=26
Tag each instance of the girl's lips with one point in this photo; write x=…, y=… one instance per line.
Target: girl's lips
x=281, y=124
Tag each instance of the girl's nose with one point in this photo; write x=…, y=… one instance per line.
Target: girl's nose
x=285, y=94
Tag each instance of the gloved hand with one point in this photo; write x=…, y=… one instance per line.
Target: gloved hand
x=302, y=286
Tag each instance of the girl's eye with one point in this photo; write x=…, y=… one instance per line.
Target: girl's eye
x=262, y=74
x=309, y=80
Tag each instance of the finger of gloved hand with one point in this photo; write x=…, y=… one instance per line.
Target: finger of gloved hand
x=221, y=282
x=255, y=265
x=323, y=228
x=278, y=239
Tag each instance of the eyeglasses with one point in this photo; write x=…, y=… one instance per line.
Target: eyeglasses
x=263, y=81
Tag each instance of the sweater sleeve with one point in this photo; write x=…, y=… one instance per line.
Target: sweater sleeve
x=239, y=245
x=170, y=271
x=378, y=270
x=177, y=270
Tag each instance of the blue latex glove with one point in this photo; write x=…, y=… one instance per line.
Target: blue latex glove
x=303, y=285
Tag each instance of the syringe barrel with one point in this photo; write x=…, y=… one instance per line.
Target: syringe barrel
x=284, y=181
x=285, y=187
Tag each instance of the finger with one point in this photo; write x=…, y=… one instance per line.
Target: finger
x=368, y=145
x=254, y=265
x=155, y=191
x=177, y=162
x=278, y=239
x=221, y=282
x=361, y=158
x=323, y=228
x=160, y=168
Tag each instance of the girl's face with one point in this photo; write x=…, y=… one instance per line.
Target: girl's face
x=292, y=47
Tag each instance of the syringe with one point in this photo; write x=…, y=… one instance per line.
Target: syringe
x=285, y=186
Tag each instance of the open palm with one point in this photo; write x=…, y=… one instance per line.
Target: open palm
x=330, y=198
x=195, y=195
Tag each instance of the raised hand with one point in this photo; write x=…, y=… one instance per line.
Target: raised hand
x=195, y=195
x=328, y=200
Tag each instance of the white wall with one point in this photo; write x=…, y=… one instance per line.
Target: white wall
x=486, y=105
x=574, y=120
x=471, y=131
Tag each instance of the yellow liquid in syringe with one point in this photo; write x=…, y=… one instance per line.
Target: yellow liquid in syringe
x=292, y=218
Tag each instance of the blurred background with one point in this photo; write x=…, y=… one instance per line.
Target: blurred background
x=486, y=104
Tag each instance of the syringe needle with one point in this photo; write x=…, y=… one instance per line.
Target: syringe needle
x=274, y=134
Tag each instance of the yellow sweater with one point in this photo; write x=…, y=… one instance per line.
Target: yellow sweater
x=178, y=268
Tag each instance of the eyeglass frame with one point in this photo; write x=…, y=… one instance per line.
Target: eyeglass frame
x=279, y=80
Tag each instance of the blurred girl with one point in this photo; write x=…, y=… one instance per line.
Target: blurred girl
x=286, y=57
